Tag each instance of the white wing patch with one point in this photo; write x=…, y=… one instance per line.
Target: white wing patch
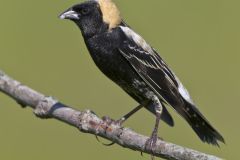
x=137, y=39
x=183, y=91
x=147, y=49
x=141, y=61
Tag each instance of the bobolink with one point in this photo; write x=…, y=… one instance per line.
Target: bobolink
x=128, y=60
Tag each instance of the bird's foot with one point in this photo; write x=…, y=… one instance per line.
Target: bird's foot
x=151, y=144
x=107, y=120
x=110, y=121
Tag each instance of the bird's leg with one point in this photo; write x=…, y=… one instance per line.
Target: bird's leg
x=151, y=142
x=128, y=115
x=119, y=122
x=124, y=118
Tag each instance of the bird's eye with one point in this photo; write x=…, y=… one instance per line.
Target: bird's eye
x=84, y=11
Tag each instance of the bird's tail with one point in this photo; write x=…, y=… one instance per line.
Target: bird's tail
x=200, y=125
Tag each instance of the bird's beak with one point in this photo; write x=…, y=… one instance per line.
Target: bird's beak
x=69, y=14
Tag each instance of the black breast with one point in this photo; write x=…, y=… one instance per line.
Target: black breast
x=104, y=50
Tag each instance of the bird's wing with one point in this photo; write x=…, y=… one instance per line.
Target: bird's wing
x=152, y=69
x=155, y=72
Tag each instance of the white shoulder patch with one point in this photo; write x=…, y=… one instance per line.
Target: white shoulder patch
x=137, y=39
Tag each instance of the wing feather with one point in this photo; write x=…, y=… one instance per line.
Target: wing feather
x=157, y=75
x=151, y=68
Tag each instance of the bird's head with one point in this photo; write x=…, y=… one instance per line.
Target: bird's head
x=94, y=16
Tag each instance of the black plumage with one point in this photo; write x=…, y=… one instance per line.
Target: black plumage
x=125, y=57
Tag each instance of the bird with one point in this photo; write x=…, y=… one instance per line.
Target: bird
x=128, y=60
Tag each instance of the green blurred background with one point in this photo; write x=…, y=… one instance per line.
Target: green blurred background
x=199, y=40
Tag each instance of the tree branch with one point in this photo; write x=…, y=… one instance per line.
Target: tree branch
x=88, y=122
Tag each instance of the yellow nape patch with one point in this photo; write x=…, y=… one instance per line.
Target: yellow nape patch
x=110, y=12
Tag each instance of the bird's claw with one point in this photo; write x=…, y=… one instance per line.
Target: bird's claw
x=110, y=144
x=151, y=144
x=110, y=121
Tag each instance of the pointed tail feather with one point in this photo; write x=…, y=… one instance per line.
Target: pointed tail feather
x=200, y=125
